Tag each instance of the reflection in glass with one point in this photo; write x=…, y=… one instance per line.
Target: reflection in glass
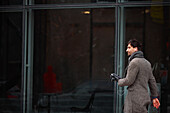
x=10, y=59
x=74, y=49
x=150, y=25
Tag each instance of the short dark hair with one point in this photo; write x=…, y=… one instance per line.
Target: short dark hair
x=135, y=43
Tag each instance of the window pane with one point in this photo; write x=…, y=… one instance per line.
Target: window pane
x=71, y=1
x=73, y=57
x=11, y=2
x=150, y=25
x=11, y=60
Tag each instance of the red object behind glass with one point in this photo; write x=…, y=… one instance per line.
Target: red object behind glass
x=50, y=84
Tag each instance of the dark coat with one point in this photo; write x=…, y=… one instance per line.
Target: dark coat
x=139, y=76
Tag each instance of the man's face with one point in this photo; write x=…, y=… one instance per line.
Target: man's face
x=131, y=50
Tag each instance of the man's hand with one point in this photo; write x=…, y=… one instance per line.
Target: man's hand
x=156, y=103
x=114, y=76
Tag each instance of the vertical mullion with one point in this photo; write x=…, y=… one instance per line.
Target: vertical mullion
x=122, y=40
x=25, y=2
x=30, y=59
x=31, y=2
x=30, y=62
x=24, y=60
x=121, y=57
x=116, y=56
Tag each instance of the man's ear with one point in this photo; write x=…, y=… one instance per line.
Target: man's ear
x=136, y=49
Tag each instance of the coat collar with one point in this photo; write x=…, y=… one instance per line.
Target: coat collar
x=137, y=54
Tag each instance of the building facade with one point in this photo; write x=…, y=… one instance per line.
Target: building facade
x=57, y=55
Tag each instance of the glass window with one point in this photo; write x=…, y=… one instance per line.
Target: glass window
x=71, y=1
x=11, y=61
x=150, y=25
x=73, y=58
x=11, y=2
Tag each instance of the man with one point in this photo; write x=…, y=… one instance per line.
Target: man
x=138, y=77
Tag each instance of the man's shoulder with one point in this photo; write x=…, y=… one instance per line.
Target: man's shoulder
x=137, y=60
x=140, y=61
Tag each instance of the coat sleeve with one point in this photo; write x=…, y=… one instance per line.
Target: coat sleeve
x=152, y=86
x=132, y=72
